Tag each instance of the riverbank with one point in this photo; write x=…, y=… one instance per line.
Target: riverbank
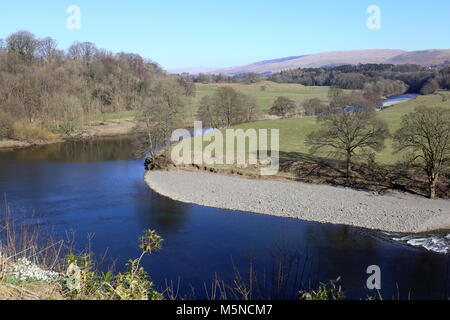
x=399, y=213
x=9, y=144
x=105, y=129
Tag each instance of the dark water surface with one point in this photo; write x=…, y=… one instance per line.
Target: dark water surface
x=95, y=187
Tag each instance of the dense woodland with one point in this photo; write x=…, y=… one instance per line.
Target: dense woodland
x=393, y=79
x=44, y=90
x=415, y=78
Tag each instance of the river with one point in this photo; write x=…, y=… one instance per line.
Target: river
x=96, y=187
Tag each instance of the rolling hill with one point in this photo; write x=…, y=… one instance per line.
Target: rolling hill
x=336, y=58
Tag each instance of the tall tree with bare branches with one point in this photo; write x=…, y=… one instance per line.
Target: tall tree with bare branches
x=346, y=134
x=425, y=135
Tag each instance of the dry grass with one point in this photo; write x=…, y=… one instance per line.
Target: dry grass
x=31, y=291
x=22, y=238
x=22, y=131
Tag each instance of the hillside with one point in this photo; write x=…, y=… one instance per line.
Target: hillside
x=335, y=58
x=423, y=58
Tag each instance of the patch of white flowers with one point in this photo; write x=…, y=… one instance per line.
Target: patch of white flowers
x=25, y=270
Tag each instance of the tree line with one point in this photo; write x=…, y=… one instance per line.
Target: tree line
x=392, y=79
x=248, y=78
x=370, y=97
x=395, y=79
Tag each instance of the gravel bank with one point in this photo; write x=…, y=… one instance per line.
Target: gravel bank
x=392, y=213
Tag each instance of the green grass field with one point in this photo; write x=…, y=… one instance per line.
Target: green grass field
x=294, y=131
x=265, y=98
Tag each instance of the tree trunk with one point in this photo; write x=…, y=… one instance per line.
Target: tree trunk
x=433, y=181
x=348, y=165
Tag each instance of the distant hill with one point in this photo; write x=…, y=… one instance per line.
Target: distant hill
x=336, y=58
x=192, y=70
x=424, y=58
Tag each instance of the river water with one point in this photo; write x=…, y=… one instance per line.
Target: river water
x=96, y=187
x=397, y=99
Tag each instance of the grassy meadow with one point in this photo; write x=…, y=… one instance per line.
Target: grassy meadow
x=294, y=131
x=393, y=116
x=267, y=97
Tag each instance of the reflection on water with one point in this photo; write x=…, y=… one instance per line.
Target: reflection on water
x=75, y=151
x=97, y=187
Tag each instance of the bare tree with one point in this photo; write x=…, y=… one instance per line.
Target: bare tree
x=228, y=107
x=314, y=106
x=251, y=107
x=161, y=113
x=425, y=134
x=47, y=49
x=345, y=134
x=282, y=107
x=187, y=83
x=206, y=113
x=22, y=43
x=42, y=86
x=85, y=51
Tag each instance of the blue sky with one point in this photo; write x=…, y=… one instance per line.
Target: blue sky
x=202, y=33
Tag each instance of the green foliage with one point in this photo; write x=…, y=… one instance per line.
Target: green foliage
x=325, y=291
x=18, y=282
x=132, y=284
x=150, y=241
x=86, y=283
